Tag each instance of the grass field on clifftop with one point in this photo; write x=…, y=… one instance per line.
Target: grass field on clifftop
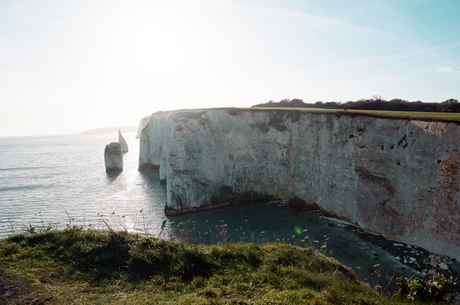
x=437, y=116
x=77, y=266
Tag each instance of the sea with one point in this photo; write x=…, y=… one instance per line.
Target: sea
x=55, y=182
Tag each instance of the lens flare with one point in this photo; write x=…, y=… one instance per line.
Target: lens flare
x=298, y=230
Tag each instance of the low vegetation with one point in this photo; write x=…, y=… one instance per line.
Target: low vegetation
x=374, y=103
x=377, y=106
x=429, y=116
x=437, y=289
x=76, y=266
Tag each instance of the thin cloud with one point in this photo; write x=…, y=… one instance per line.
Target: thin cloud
x=302, y=18
x=372, y=59
x=6, y=46
x=449, y=70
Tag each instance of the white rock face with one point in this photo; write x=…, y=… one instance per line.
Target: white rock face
x=123, y=144
x=113, y=157
x=142, y=123
x=396, y=177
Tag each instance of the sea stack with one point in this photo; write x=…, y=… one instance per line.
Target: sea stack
x=113, y=157
x=122, y=141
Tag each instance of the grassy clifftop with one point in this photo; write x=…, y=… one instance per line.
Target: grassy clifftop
x=77, y=266
x=453, y=117
x=411, y=115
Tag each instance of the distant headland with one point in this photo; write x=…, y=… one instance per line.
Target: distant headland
x=111, y=130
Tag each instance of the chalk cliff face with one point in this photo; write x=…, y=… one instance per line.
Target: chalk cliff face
x=396, y=177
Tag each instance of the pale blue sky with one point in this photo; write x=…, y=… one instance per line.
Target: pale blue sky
x=68, y=66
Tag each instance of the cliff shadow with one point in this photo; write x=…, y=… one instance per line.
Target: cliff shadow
x=150, y=179
x=111, y=177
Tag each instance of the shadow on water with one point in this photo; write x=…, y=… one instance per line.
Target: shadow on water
x=112, y=176
x=374, y=259
x=151, y=178
x=150, y=181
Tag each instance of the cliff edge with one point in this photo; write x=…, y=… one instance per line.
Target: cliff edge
x=393, y=176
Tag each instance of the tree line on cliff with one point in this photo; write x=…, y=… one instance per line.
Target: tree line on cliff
x=375, y=103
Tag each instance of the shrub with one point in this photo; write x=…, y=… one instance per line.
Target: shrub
x=438, y=289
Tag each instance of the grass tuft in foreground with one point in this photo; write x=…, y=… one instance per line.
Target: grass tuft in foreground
x=77, y=266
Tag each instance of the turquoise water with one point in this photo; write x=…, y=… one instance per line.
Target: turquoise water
x=61, y=180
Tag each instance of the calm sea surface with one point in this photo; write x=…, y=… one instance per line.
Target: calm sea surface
x=47, y=179
x=61, y=180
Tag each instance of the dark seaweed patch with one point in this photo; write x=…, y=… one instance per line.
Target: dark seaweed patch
x=148, y=166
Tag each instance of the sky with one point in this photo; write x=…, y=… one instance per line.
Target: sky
x=69, y=66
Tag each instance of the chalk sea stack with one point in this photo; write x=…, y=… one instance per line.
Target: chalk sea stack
x=122, y=141
x=113, y=157
x=398, y=177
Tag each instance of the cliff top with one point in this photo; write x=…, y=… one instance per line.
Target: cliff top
x=396, y=115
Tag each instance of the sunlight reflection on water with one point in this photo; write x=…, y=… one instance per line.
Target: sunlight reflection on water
x=56, y=175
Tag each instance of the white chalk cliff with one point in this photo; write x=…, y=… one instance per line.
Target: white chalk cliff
x=395, y=177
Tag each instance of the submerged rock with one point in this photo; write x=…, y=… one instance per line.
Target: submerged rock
x=443, y=266
x=113, y=157
x=280, y=203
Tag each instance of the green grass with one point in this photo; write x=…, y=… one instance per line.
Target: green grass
x=76, y=266
x=438, y=116
x=431, y=116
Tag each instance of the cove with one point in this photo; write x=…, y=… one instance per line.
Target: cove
x=348, y=244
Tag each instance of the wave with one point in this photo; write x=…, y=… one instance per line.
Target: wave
x=23, y=187
x=21, y=168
